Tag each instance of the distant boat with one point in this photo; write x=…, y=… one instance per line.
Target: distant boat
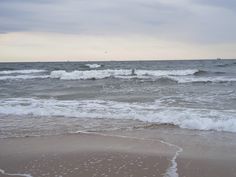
x=218, y=58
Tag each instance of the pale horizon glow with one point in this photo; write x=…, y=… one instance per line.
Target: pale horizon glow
x=72, y=30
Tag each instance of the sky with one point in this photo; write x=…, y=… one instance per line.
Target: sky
x=77, y=30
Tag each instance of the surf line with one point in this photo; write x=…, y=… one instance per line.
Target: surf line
x=14, y=174
x=171, y=171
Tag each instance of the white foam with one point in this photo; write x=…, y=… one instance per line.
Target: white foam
x=172, y=170
x=14, y=174
x=166, y=72
x=24, y=77
x=92, y=66
x=92, y=74
x=153, y=112
x=180, y=76
x=22, y=71
x=192, y=79
x=121, y=73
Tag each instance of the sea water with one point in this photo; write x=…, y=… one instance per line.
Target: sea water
x=67, y=97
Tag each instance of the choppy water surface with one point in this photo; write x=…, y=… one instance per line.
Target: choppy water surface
x=55, y=98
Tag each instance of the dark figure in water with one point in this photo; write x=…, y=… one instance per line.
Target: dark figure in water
x=133, y=72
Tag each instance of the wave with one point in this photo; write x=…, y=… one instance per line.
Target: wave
x=6, y=68
x=121, y=73
x=24, y=77
x=155, y=126
x=163, y=76
x=203, y=73
x=200, y=73
x=226, y=64
x=166, y=72
x=218, y=79
x=182, y=79
x=223, y=65
x=29, y=71
x=152, y=112
x=91, y=74
x=165, y=80
x=92, y=66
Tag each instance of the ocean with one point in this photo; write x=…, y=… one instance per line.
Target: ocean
x=51, y=98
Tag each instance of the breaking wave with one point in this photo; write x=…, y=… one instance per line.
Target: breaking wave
x=93, y=66
x=24, y=77
x=202, y=79
x=91, y=74
x=29, y=71
x=121, y=73
x=152, y=112
x=200, y=73
x=164, y=76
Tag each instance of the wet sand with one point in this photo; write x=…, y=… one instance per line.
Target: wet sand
x=91, y=155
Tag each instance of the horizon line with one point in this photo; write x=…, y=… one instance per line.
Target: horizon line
x=125, y=60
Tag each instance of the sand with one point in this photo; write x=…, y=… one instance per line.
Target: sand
x=92, y=155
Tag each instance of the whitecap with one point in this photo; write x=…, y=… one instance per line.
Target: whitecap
x=119, y=73
x=92, y=66
x=24, y=77
x=92, y=74
x=28, y=71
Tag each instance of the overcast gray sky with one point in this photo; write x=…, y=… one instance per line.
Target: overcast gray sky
x=116, y=29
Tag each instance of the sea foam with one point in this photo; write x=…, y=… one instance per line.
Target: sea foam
x=193, y=79
x=178, y=76
x=121, y=73
x=29, y=71
x=92, y=66
x=24, y=77
x=14, y=174
x=152, y=112
x=84, y=75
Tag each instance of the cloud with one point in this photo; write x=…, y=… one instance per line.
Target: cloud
x=228, y=4
x=180, y=20
x=90, y=16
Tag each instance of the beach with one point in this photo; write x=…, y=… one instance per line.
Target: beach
x=118, y=119
x=97, y=154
